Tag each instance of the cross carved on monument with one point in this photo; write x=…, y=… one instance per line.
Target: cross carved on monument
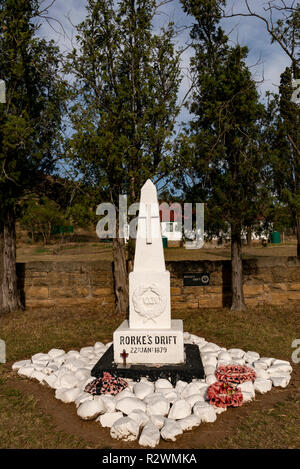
x=148, y=217
x=124, y=355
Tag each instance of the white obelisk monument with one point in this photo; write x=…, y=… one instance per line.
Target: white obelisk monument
x=150, y=336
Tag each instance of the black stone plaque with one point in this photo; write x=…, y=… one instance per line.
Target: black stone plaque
x=192, y=368
x=197, y=279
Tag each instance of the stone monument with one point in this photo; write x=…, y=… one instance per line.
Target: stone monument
x=150, y=336
x=150, y=343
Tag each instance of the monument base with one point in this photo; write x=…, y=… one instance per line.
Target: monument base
x=149, y=346
x=192, y=368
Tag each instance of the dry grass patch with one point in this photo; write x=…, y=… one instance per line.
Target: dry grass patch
x=271, y=421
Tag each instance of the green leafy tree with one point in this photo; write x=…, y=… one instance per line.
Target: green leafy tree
x=40, y=217
x=127, y=79
x=223, y=147
x=282, y=132
x=29, y=123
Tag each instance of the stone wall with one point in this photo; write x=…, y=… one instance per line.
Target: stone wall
x=266, y=280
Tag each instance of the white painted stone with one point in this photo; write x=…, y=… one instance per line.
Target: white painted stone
x=131, y=384
x=190, y=422
x=210, y=361
x=205, y=411
x=263, y=374
x=128, y=404
x=50, y=368
x=262, y=385
x=275, y=361
x=85, y=351
x=247, y=396
x=210, y=370
x=210, y=379
x=20, y=364
x=282, y=368
x=69, y=380
x=125, y=429
x=260, y=365
x=238, y=361
x=209, y=347
x=149, y=398
x=280, y=381
x=82, y=384
x=207, y=355
x=55, y=352
x=179, y=410
x=236, y=353
x=51, y=380
x=224, y=356
x=202, y=388
x=40, y=357
x=189, y=390
x=171, y=395
x=73, y=364
x=26, y=370
x=109, y=402
x=73, y=353
x=68, y=395
x=251, y=357
x=171, y=430
x=186, y=335
x=140, y=417
x=158, y=345
x=247, y=386
x=125, y=393
x=267, y=360
x=219, y=410
x=38, y=375
x=158, y=421
x=163, y=384
x=89, y=410
x=158, y=405
x=59, y=393
x=150, y=436
x=82, y=373
x=197, y=340
x=59, y=360
x=83, y=397
x=180, y=385
x=99, y=345
x=109, y=418
x=195, y=398
x=41, y=368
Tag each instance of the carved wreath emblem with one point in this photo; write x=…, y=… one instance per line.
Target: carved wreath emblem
x=149, y=301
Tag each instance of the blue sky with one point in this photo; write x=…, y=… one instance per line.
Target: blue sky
x=267, y=60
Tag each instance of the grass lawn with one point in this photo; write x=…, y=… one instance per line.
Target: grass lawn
x=31, y=417
x=103, y=251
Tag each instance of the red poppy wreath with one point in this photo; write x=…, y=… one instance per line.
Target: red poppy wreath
x=222, y=394
x=235, y=374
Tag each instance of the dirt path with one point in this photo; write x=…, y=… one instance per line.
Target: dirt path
x=65, y=418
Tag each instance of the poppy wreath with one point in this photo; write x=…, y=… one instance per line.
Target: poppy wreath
x=108, y=384
x=222, y=394
x=235, y=374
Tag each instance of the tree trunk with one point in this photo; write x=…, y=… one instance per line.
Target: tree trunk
x=249, y=236
x=120, y=276
x=2, y=310
x=238, y=303
x=11, y=300
x=298, y=234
